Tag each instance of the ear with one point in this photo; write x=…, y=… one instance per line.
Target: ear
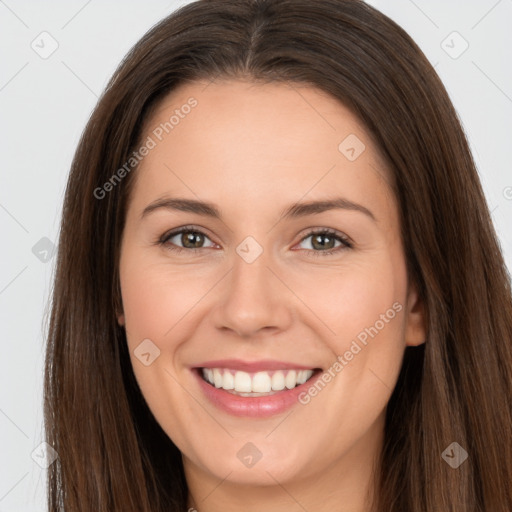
x=415, y=318
x=120, y=319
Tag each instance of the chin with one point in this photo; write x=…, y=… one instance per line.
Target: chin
x=248, y=465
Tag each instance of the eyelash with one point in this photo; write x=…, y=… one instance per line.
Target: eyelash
x=346, y=244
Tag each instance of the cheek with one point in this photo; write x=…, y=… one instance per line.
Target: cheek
x=350, y=302
x=155, y=301
x=156, y=297
x=373, y=323
x=367, y=311
x=361, y=308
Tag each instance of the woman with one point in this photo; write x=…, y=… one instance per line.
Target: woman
x=278, y=283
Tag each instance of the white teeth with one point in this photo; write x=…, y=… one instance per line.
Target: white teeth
x=301, y=377
x=229, y=381
x=243, y=382
x=291, y=379
x=217, y=378
x=256, y=383
x=261, y=382
x=278, y=381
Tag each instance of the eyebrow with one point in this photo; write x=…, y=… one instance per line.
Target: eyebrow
x=296, y=210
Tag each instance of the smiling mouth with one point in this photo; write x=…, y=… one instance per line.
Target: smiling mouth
x=262, y=383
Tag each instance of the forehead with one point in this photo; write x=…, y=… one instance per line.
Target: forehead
x=255, y=143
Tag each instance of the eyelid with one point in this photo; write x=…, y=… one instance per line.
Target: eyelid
x=177, y=231
x=345, y=242
x=327, y=231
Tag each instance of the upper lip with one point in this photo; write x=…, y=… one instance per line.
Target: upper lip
x=254, y=366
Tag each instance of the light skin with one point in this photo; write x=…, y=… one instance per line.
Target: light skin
x=253, y=150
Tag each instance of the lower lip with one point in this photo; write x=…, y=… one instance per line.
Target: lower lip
x=254, y=407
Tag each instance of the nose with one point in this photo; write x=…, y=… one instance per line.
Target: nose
x=253, y=300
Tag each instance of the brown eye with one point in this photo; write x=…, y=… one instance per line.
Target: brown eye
x=185, y=238
x=325, y=242
x=191, y=239
x=322, y=241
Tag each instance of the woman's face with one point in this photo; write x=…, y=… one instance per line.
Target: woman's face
x=294, y=269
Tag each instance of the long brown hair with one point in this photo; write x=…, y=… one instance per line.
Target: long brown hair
x=457, y=387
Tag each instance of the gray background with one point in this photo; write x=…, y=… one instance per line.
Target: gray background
x=45, y=101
